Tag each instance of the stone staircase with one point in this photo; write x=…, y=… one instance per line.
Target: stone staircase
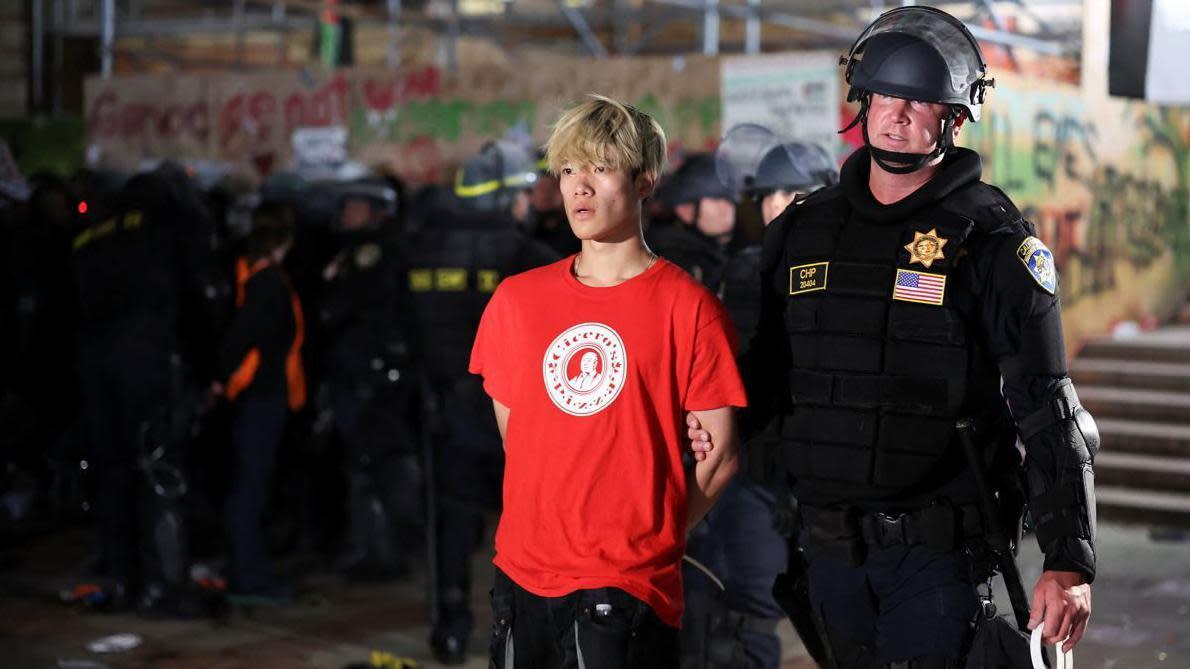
x=1138, y=389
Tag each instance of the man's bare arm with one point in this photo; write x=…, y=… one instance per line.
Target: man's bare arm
x=712, y=474
x=501, y=418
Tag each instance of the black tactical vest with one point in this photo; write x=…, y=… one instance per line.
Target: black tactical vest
x=456, y=263
x=740, y=292
x=883, y=359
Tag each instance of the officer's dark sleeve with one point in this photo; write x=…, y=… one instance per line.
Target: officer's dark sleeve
x=766, y=364
x=1023, y=326
x=266, y=300
x=204, y=281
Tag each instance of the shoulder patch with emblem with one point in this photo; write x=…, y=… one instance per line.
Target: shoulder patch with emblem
x=1039, y=262
x=367, y=255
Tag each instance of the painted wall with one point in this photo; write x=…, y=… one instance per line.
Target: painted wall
x=1106, y=186
x=418, y=121
x=1104, y=180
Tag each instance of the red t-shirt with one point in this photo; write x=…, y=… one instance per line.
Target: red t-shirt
x=598, y=381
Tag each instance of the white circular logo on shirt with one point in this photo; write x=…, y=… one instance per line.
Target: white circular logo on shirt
x=584, y=368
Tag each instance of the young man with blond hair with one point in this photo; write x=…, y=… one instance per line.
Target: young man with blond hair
x=596, y=500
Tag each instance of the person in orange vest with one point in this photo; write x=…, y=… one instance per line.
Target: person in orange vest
x=260, y=361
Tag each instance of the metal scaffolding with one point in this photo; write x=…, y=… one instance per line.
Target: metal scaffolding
x=599, y=28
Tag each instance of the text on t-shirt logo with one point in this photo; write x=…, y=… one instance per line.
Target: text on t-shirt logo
x=584, y=368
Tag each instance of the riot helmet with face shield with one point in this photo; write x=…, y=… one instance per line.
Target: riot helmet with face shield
x=492, y=180
x=921, y=54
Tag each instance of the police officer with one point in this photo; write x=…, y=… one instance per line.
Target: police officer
x=894, y=305
x=910, y=317
x=785, y=172
x=366, y=321
x=140, y=268
x=741, y=542
x=546, y=216
x=702, y=220
x=460, y=257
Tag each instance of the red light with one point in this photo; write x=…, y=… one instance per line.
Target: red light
x=82, y=207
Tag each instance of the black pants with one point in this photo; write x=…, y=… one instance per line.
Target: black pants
x=126, y=391
x=256, y=438
x=902, y=603
x=605, y=628
x=469, y=473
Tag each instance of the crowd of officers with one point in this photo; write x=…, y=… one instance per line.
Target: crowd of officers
x=186, y=357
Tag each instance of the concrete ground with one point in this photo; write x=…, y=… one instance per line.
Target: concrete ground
x=1141, y=616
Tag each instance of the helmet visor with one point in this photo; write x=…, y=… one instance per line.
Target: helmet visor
x=740, y=152
x=941, y=31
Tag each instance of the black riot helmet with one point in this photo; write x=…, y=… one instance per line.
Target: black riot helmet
x=695, y=179
x=795, y=167
x=382, y=198
x=490, y=180
x=922, y=54
x=755, y=160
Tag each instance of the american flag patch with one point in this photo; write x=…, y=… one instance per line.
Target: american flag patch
x=919, y=287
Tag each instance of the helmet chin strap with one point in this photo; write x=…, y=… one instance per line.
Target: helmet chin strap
x=896, y=162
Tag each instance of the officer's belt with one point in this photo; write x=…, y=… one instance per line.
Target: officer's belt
x=940, y=527
x=927, y=395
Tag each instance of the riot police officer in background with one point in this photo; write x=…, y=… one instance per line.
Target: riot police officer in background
x=910, y=317
x=143, y=268
x=772, y=174
x=547, y=221
x=366, y=319
x=703, y=210
x=460, y=257
x=741, y=541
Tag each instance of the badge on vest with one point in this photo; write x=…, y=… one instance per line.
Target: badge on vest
x=925, y=248
x=367, y=255
x=919, y=287
x=1040, y=263
x=808, y=278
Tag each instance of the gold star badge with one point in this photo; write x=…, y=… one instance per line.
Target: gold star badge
x=926, y=247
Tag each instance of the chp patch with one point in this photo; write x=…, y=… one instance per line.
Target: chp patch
x=1040, y=263
x=808, y=278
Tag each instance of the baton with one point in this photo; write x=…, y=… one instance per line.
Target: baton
x=996, y=538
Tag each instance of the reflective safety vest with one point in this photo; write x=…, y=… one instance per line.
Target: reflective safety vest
x=295, y=374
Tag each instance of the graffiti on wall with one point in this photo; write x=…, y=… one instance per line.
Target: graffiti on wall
x=417, y=122
x=1105, y=190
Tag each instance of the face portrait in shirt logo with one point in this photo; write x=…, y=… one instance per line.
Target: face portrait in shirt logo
x=584, y=369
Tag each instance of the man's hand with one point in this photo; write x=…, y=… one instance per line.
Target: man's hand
x=1063, y=600
x=714, y=470
x=700, y=439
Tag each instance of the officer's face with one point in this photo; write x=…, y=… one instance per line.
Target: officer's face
x=546, y=195
x=716, y=216
x=356, y=214
x=774, y=203
x=905, y=126
x=603, y=204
